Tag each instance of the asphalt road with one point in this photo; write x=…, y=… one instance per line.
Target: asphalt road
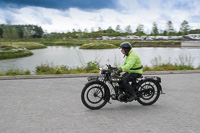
x=54, y=106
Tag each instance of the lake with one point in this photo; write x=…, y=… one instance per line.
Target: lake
x=73, y=56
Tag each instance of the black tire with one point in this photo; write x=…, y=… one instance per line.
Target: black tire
x=151, y=92
x=95, y=95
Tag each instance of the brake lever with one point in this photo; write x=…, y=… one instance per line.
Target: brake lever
x=109, y=66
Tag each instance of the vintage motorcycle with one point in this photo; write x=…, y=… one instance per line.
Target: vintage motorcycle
x=98, y=90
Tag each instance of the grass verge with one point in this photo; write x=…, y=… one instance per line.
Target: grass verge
x=91, y=67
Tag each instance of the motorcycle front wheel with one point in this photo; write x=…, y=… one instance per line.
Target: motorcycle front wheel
x=95, y=95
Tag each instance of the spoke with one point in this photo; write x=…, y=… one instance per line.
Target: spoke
x=99, y=97
x=98, y=91
x=94, y=95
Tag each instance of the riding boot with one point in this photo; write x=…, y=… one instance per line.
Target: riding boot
x=120, y=90
x=131, y=93
x=132, y=97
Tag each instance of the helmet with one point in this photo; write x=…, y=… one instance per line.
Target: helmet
x=125, y=45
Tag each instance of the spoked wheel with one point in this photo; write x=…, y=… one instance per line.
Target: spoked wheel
x=95, y=96
x=149, y=92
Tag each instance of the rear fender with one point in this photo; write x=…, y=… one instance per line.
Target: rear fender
x=154, y=79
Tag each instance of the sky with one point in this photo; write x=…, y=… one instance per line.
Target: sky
x=66, y=15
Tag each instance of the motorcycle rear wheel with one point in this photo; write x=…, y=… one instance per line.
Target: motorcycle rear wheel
x=94, y=96
x=150, y=92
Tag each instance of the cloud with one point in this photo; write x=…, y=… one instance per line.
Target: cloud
x=98, y=18
x=60, y=4
x=65, y=15
x=144, y=4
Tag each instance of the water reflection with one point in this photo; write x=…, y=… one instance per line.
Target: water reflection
x=73, y=56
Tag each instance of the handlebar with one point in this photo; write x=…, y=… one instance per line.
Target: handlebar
x=111, y=68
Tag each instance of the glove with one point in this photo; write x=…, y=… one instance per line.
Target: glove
x=115, y=68
x=117, y=73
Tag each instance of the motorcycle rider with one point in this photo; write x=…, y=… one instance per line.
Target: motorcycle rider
x=133, y=68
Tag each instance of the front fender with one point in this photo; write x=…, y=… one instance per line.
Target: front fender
x=95, y=82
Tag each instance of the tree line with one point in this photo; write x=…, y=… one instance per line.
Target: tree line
x=12, y=32
x=139, y=31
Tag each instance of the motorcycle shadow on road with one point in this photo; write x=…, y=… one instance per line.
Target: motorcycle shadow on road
x=129, y=107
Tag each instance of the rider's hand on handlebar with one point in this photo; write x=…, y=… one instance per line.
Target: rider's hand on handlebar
x=117, y=73
x=110, y=67
x=115, y=68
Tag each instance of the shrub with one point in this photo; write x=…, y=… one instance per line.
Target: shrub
x=198, y=67
x=184, y=62
x=1, y=74
x=17, y=72
x=44, y=69
x=146, y=68
x=27, y=72
x=92, y=66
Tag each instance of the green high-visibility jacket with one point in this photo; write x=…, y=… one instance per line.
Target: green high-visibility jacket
x=132, y=61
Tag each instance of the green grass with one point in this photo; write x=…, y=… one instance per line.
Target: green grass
x=68, y=42
x=155, y=43
x=97, y=45
x=169, y=67
x=8, y=52
x=14, y=72
x=80, y=42
x=184, y=62
x=27, y=45
x=91, y=67
x=42, y=42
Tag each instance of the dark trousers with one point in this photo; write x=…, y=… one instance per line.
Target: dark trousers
x=127, y=77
